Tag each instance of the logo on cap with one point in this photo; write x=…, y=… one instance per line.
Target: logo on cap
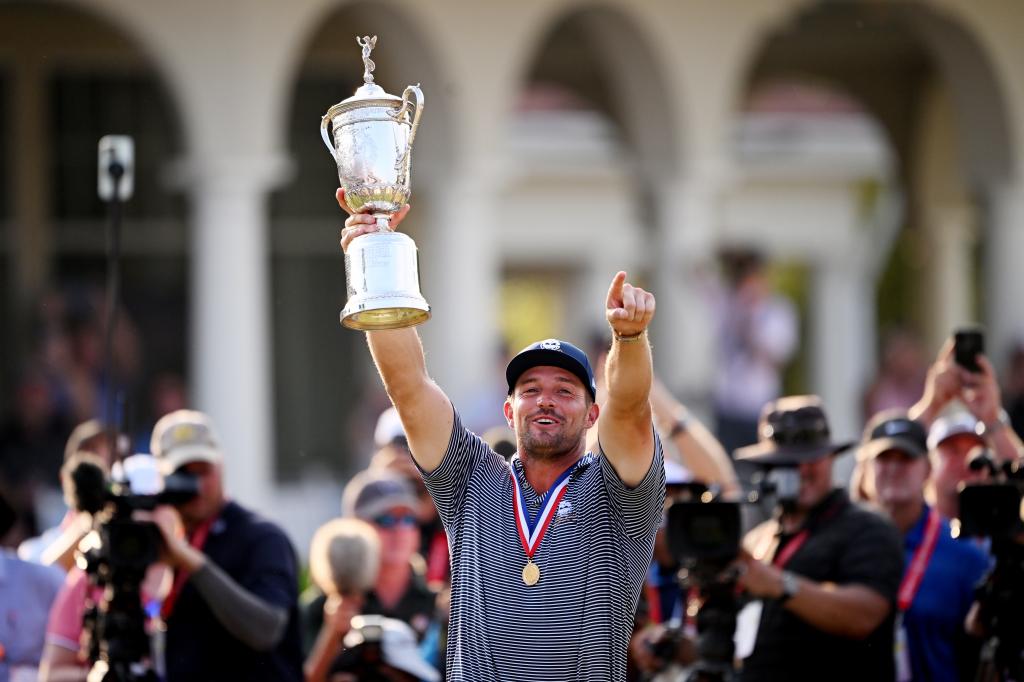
x=183, y=432
x=894, y=427
x=551, y=344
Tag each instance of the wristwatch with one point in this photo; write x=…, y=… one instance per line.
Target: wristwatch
x=1001, y=421
x=790, y=586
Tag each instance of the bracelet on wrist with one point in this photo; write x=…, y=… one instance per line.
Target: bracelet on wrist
x=680, y=426
x=993, y=426
x=632, y=338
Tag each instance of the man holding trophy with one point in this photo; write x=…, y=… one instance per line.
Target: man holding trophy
x=550, y=550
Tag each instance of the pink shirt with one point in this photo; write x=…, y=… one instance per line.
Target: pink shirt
x=64, y=628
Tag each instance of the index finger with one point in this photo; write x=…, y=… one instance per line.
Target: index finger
x=946, y=352
x=615, y=290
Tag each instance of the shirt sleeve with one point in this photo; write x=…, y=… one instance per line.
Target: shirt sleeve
x=873, y=557
x=641, y=507
x=272, y=572
x=449, y=481
x=64, y=628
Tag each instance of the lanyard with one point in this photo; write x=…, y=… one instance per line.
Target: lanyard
x=197, y=540
x=791, y=548
x=922, y=555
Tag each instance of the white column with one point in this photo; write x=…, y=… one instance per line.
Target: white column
x=460, y=268
x=1004, y=270
x=230, y=334
x=842, y=337
x=683, y=333
x=950, y=270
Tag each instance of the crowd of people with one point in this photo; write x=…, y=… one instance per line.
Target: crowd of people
x=541, y=550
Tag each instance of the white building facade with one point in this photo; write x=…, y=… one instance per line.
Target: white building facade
x=506, y=189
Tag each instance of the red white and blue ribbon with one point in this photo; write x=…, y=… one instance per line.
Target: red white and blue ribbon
x=531, y=530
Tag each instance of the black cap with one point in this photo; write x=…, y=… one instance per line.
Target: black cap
x=552, y=353
x=792, y=430
x=893, y=430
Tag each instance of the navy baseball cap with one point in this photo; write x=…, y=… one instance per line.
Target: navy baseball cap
x=552, y=353
x=894, y=430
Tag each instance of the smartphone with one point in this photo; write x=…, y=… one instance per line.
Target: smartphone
x=968, y=343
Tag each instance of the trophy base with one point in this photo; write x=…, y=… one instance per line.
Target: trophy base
x=382, y=277
x=390, y=317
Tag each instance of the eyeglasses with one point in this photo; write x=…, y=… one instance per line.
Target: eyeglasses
x=387, y=521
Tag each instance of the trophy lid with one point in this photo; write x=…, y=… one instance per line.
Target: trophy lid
x=369, y=93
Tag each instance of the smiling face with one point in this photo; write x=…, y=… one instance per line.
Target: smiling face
x=550, y=411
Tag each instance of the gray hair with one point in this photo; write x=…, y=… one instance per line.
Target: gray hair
x=344, y=556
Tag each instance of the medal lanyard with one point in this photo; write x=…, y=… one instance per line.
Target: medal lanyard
x=922, y=555
x=531, y=531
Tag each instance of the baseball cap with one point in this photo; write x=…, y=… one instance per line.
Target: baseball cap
x=953, y=424
x=372, y=492
x=893, y=430
x=389, y=429
x=552, y=353
x=182, y=437
x=397, y=644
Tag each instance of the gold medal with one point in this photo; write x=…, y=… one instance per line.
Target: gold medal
x=531, y=573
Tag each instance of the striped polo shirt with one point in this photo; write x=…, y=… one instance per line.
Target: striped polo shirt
x=575, y=623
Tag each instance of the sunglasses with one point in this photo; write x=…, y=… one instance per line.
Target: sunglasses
x=392, y=520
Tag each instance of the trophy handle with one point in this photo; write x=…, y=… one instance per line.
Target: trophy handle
x=403, y=163
x=324, y=123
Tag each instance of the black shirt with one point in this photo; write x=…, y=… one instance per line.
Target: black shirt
x=259, y=557
x=847, y=545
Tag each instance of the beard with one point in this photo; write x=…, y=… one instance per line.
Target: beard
x=549, y=445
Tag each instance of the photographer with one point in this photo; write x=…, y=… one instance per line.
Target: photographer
x=826, y=570
x=232, y=610
x=938, y=585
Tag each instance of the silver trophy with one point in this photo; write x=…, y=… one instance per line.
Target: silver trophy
x=370, y=136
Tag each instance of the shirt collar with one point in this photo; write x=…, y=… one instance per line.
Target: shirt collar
x=517, y=466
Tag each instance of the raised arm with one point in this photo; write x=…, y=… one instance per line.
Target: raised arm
x=625, y=430
x=700, y=451
x=427, y=414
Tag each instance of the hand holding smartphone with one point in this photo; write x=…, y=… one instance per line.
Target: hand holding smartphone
x=968, y=343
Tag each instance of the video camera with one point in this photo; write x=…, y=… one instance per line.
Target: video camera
x=993, y=510
x=705, y=534
x=116, y=554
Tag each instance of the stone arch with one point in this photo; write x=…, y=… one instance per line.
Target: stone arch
x=921, y=36
x=635, y=89
x=73, y=73
x=305, y=258
x=404, y=55
x=924, y=74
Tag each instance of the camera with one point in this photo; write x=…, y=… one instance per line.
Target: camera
x=704, y=536
x=992, y=510
x=116, y=554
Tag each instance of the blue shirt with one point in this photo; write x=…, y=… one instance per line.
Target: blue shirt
x=935, y=619
x=26, y=592
x=257, y=555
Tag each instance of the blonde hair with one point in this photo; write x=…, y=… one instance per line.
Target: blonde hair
x=344, y=556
